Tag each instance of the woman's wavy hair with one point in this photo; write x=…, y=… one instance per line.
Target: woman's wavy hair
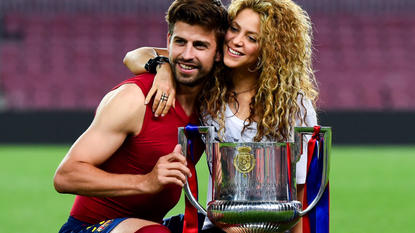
x=286, y=76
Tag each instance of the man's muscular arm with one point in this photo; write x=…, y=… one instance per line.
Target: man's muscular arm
x=119, y=114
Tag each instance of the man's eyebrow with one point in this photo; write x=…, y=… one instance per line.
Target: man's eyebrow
x=179, y=38
x=195, y=43
x=200, y=42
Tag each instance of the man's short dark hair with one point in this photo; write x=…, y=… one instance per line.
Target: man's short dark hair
x=209, y=14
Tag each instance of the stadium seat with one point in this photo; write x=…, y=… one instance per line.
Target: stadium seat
x=362, y=61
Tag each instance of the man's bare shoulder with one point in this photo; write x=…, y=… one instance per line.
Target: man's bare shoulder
x=123, y=107
x=124, y=95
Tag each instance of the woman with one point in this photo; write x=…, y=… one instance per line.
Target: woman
x=266, y=82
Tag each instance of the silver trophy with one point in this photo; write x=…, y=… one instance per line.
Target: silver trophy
x=254, y=184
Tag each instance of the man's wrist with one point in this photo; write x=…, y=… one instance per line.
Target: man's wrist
x=154, y=63
x=160, y=66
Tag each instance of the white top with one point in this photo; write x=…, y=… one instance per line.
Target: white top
x=233, y=129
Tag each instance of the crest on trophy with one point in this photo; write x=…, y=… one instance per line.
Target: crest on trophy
x=244, y=162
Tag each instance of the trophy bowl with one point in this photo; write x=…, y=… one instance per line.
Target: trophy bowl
x=254, y=184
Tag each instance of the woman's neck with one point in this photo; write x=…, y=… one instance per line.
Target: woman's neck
x=243, y=80
x=244, y=84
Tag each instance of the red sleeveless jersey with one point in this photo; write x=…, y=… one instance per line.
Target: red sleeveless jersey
x=138, y=155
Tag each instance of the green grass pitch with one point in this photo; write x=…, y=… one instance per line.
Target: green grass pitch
x=371, y=189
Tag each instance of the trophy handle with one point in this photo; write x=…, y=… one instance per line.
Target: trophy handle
x=208, y=132
x=325, y=132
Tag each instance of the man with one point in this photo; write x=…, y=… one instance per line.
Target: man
x=126, y=168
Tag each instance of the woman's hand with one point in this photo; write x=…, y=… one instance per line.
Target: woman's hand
x=163, y=90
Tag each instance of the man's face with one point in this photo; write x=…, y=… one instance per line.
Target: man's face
x=192, y=51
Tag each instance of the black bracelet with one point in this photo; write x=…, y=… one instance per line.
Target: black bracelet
x=151, y=65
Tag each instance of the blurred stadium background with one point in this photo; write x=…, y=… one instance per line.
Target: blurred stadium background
x=59, y=58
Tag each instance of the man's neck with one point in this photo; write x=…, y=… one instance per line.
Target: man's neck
x=187, y=97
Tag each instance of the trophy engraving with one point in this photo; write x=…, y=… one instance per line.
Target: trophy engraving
x=244, y=162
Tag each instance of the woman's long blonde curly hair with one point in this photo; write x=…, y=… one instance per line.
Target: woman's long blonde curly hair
x=285, y=71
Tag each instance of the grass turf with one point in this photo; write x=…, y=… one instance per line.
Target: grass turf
x=371, y=189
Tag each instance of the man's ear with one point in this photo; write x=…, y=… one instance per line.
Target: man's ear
x=218, y=56
x=168, y=42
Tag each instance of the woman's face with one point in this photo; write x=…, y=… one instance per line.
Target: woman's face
x=241, y=47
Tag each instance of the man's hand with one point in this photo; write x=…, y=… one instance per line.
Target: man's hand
x=170, y=169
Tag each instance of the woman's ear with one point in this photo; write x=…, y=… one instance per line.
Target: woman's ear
x=218, y=56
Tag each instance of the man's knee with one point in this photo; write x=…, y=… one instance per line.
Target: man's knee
x=154, y=228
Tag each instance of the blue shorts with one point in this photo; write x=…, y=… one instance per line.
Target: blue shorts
x=73, y=225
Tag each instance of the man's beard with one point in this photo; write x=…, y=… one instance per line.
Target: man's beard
x=190, y=80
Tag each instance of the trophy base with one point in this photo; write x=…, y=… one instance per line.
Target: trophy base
x=251, y=216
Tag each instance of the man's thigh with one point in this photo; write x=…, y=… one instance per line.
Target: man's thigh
x=131, y=225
